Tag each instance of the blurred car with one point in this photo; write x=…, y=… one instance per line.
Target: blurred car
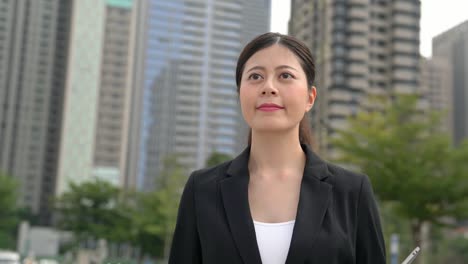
x=9, y=257
x=48, y=261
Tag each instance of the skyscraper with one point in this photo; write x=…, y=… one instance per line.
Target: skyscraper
x=452, y=46
x=361, y=47
x=190, y=104
x=33, y=62
x=436, y=78
x=97, y=106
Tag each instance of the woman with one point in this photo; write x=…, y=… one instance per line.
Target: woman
x=277, y=202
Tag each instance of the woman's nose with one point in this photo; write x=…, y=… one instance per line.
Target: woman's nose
x=268, y=88
x=271, y=92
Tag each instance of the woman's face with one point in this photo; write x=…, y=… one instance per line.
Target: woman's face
x=273, y=91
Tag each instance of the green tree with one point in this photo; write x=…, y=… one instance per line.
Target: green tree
x=216, y=158
x=90, y=210
x=148, y=224
x=8, y=211
x=156, y=212
x=169, y=190
x=451, y=249
x=410, y=163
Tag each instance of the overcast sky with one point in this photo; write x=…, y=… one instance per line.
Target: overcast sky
x=436, y=17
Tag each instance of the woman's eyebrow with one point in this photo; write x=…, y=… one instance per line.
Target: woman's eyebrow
x=277, y=68
x=285, y=67
x=256, y=68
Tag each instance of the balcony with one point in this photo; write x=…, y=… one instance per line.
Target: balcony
x=354, y=68
x=407, y=6
x=404, y=88
x=339, y=109
x=406, y=47
x=358, y=13
x=405, y=61
x=358, y=83
x=405, y=33
x=354, y=54
x=405, y=19
x=338, y=96
x=358, y=40
x=356, y=26
x=404, y=75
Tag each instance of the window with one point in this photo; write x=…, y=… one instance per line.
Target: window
x=408, y=82
x=381, y=16
x=381, y=57
x=381, y=29
x=339, y=64
x=406, y=40
x=339, y=50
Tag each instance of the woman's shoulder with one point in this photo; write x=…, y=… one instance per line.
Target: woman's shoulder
x=210, y=174
x=340, y=178
x=346, y=180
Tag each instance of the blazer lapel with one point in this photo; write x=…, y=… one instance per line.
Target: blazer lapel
x=234, y=190
x=314, y=200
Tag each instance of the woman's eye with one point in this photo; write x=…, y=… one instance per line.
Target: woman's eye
x=286, y=76
x=255, y=76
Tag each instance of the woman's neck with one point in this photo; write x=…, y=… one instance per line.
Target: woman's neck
x=276, y=155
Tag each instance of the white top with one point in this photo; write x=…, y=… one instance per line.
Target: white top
x=273, y=241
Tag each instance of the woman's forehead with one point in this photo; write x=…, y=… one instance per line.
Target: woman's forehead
x=273, y=57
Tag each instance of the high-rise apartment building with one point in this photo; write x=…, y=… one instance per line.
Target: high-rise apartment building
x=452, y=46
x=98, y=95
x=189, y=103
x=361, y=47
x=33, y=61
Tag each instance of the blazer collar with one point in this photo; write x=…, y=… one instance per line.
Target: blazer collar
x=313, y=202
x=314, y=167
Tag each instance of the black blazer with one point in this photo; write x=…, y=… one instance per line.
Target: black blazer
x=337, y=218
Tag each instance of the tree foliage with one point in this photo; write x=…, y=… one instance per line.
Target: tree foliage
x=90, y=210
x=216, y=158
x=8, y=211
x=169, y=190
x=409, y=161
x=451, y=249
x=97, y=209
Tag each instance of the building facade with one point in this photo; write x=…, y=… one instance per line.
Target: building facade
x=97, y=105
x=34, y=37
x=452, y=46
x=361, y=47
x=189, y=102
x=436, y=78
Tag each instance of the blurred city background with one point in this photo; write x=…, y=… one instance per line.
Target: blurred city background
x=107, y=105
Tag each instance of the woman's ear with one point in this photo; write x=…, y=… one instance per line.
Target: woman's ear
x=311, y=98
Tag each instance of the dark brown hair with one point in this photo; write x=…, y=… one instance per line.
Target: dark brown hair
x=305, y=59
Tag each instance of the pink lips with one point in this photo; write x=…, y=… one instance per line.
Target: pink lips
x=269, y=107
